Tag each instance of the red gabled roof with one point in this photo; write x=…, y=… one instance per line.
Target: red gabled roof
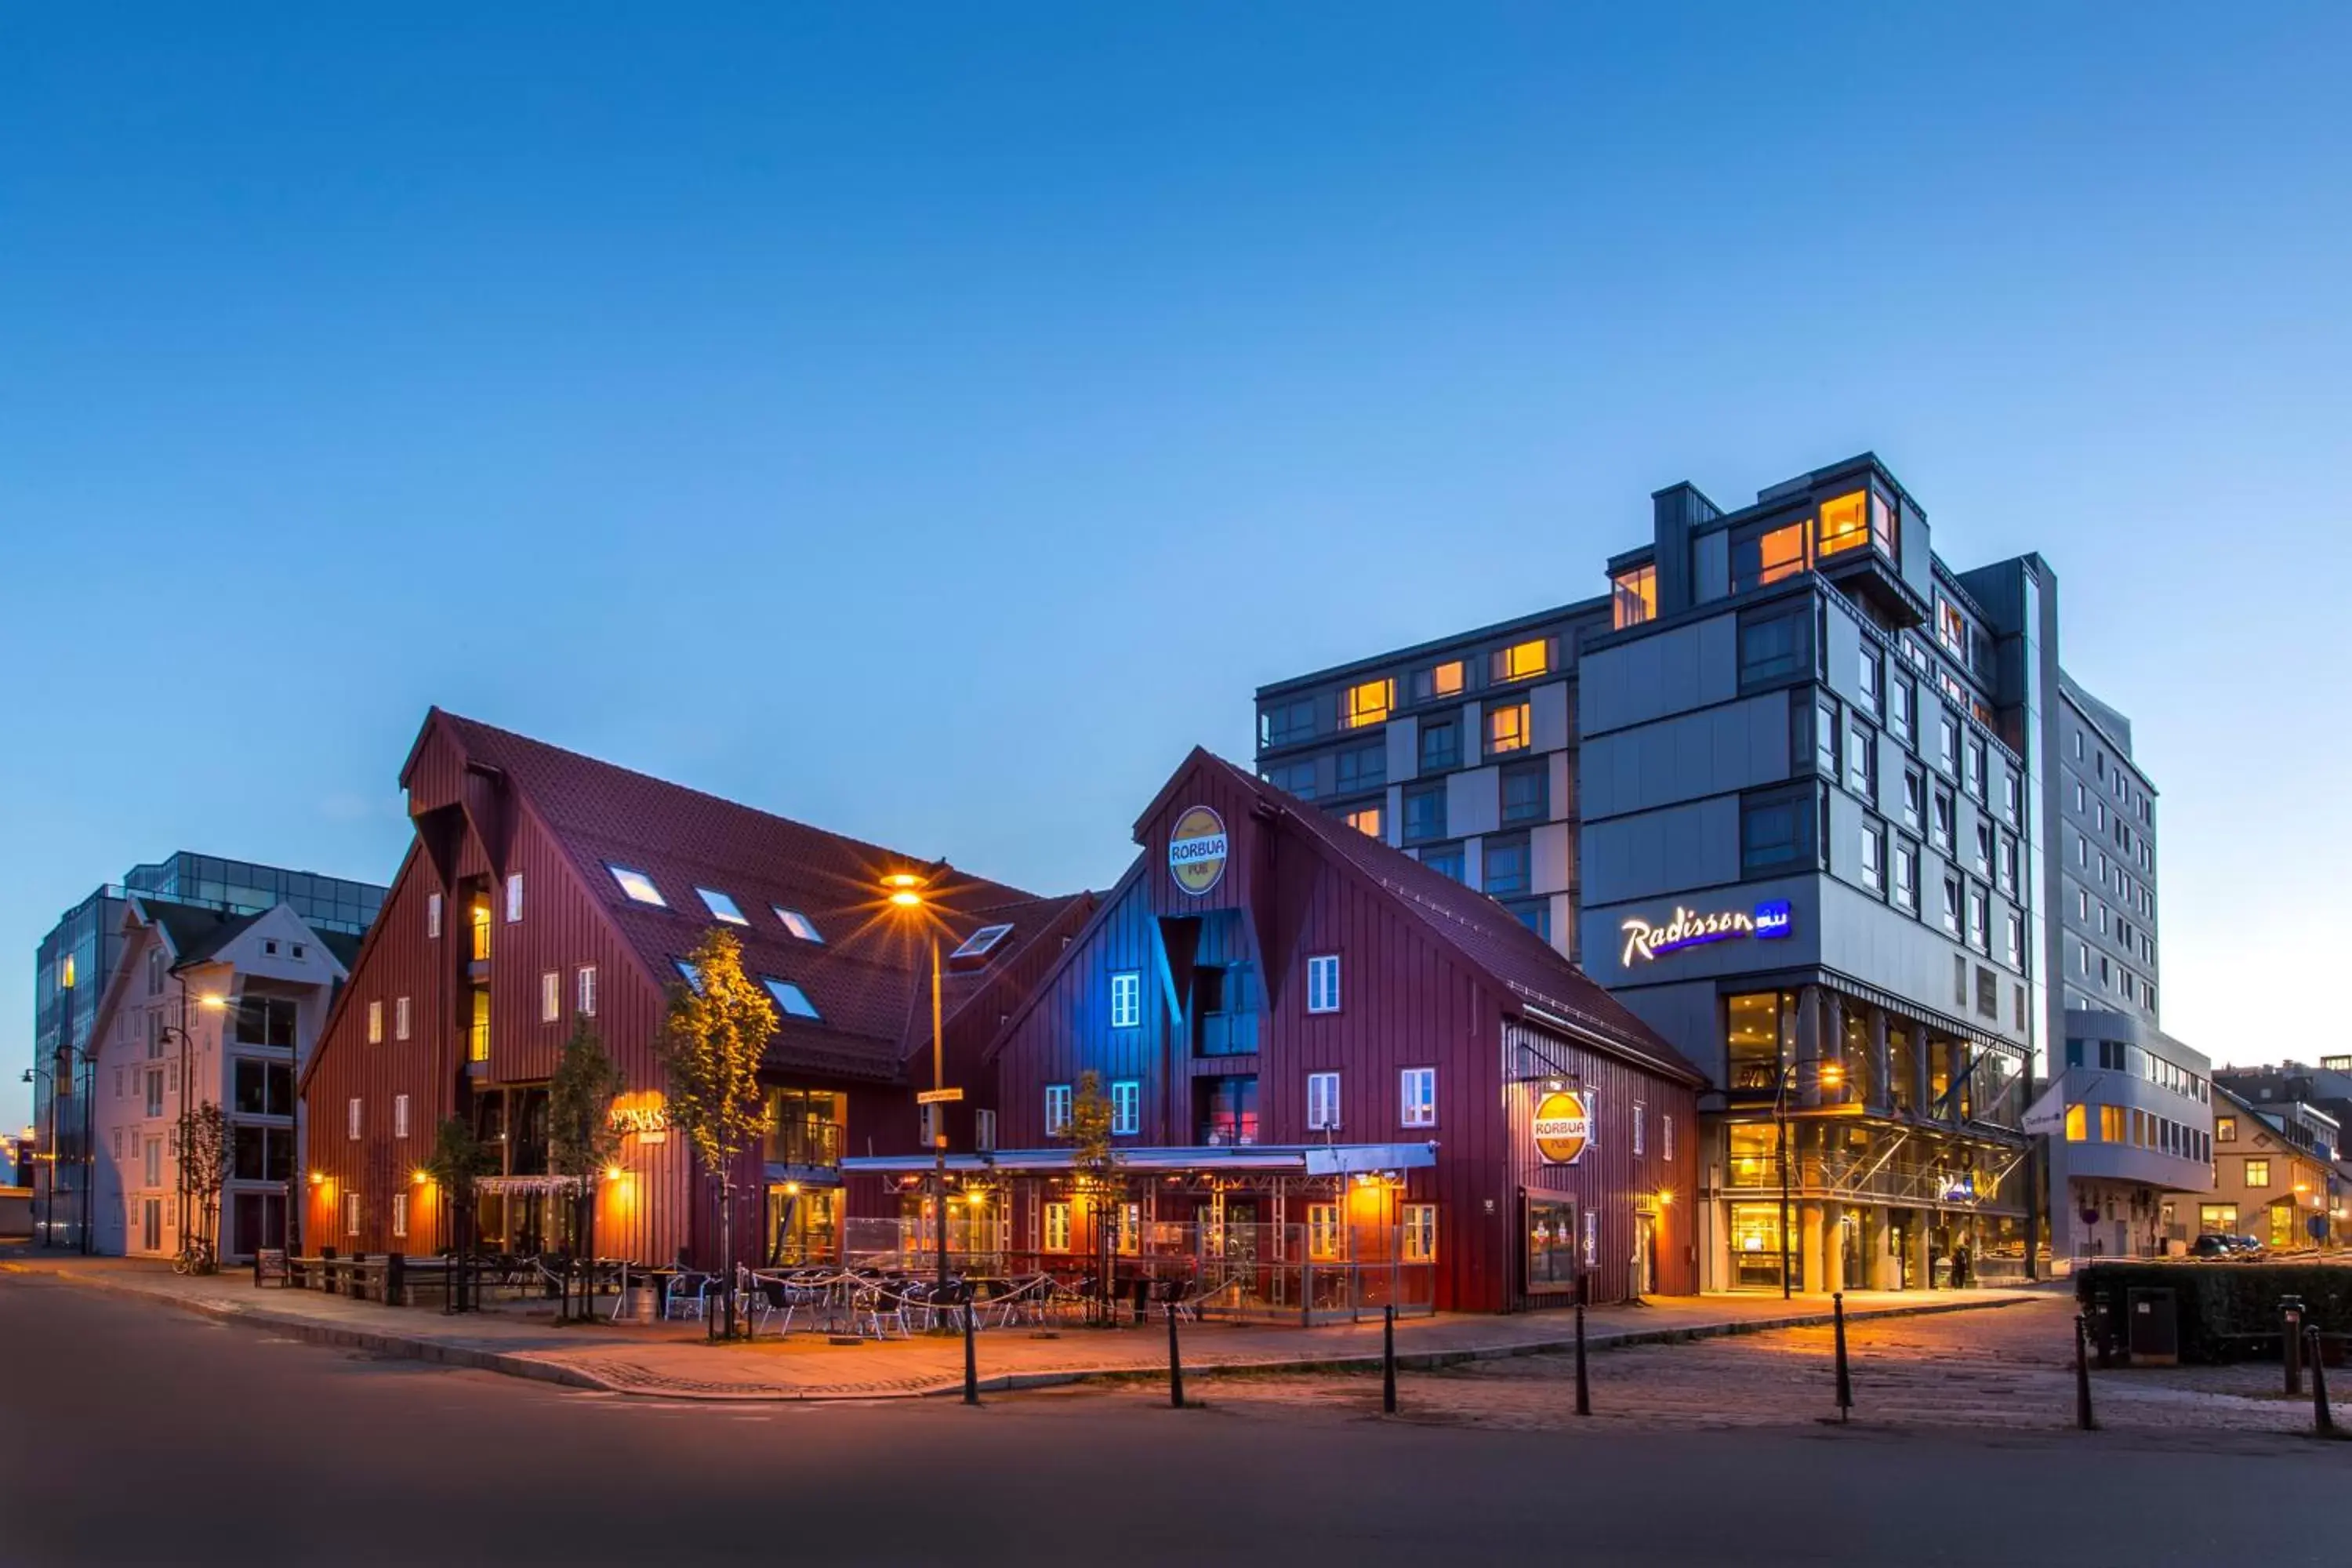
x=864, y=975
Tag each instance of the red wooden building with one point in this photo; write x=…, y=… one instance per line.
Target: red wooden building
x=543, y=886
x=1335, y=1073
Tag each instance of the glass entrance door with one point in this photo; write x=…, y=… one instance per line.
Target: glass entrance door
x=1548, y=1238
x=1756, y=1257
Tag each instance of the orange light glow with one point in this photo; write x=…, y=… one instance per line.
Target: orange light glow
x=907, y=899
x=1845, y=523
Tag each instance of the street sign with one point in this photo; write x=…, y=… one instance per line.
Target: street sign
x=939, y=1096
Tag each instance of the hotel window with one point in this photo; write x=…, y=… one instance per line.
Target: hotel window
x=1951, y=628
x=1873, y=856
x=1364, y=819
x=2015, y=925
x=790, y=997
x=1641, y=1117
x=1774, y=644
x=1438, y=681
x=1126, y=1107
x=399, y=1017
x=984, y=1131
x=1984, y=848
x=1901, y=705
x=1862, y=762
x=431, y=914
x=1425, y=813
x=351, y=1214
x=637, y=886
x=1419, y=1225
x=585, y=994
x=1947, y=743
x=400, y=1214
x=1057, y=1109
x=1771, y=557
x=1952, y=905
x=1057, y=1227
x=1506, y=728
x=2111, y=1124
x=551, y=996
x=1323, y=983
x=1441, y=746
x=1367, y=702
x=1287, y=722
x=1323, y=1234
x=720, y=906
x=1526, y=792
x=1520, y=661
x=1127, y=999
x=1869, y=673
x=351, y=1117
x=1634, y=596
x=1845, y=523
x=1914, y=798
x=2258, y=1173
x=2009, y=864
x=1362, y=767
x=1825, y=739
x=1322, y=1103
x=1988, y=992
x=1907, y=876
x=2077, y=1124
x=1533, y=913
x=2225, y=1129
x=1941, y=833
x=1417, y=1097
x=1977, y=768
x=799, y=925
x=1776, y=832
x=1504, y=863
x=514, y=896
x=400, y=1115
x=1445, y=859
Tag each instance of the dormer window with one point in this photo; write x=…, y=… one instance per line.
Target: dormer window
x=639, y=886
x=790, y=997
x=691, y=975
x=721, y=907
x=799, y=925
x=975, y=948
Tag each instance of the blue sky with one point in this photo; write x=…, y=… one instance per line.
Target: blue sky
x=929, y=422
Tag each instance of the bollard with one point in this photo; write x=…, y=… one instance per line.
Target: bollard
x=395, y=1279
x=2323, y=1419
x=327, y=1269
x=2083, y=1374
x=971, y=1357
x=1844, y=1380
x=2291, y=1342
x=1583, y=1387
x=1388, y=1360
x=1175, y=1363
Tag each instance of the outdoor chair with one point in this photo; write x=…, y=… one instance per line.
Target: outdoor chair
x=876, y=1308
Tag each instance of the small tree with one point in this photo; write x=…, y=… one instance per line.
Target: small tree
x=1097, y=1174
x=581, y=1141
x=200, y=1139
x=457, y=1160
x=710, y=1045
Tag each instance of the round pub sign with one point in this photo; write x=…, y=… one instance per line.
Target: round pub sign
x=1196, y=850
x=1563, y=1126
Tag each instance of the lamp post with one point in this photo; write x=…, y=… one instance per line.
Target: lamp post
x=905, y=891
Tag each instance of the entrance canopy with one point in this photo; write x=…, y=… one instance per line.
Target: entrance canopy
x=1304, y=1159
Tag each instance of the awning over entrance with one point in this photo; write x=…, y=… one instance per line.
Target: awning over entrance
x=526, y=1184
x=1307, y=1159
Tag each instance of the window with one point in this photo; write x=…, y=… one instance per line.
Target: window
x=1420, y=1226
x=1441, y=746
x=2009, y=864
x=1057, y=1227
x=1952, y=905
x=1862, y=762
x=790, y=997
x=2225, y=1129
x=478, y=922
x=1445, y=859
x=351, y=1214
x=156, y=1092
x=375, y=1023
x=154, y=1162
x=1323, y=983
x=2112, y=1124
x=1287, y=722
x=1323, y=1234
x=400, y=1214
x=637, y=886
x=1771, y=557
x=551, y=996
x=1947, y=743
x=1367, y=702
x=1868, y=675
x=400, y=1115
x=1127, y=999
x=1417, y=1097
x=1825, y=738
x=514, y=896
x=1988, y=994
x=1322, y=1103
x=1505, y=866
x=1425, y=813
x=1361, y=768
x=2218, y=1219
x=1951, y=627
x=351, y=1117
x=1902, y=704
x=798, y=924
x=1641, y=1120
x=981, y=944
x=1941, y=832
x=1533, y=913
x=984, y=1131
x=2077, y=1124
x=1634, y=596
x=1522, y=661
x=2014, y=924
x=1127, y=1106
x=1984, y=848
x=1873, y=856
x=2012, y=797
x=1845, y=523
x=585, y=994
x=1438, y=681
x=1057, y=1109
x=1364, y=819
x=1774, y=646
x=1776, y=832
x=1506, y=728
x=401, y=1014
x=2258, y=1173
x=431, y=914
x=1526, y=792
x=1914, y=798
x=1667, y=1136
x=690, y=974
x=720, y=906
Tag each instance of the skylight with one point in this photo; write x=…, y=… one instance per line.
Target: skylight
x=720, y=905
x=799, y=925
x=981, y=943
x=790, y=997
x=690, y=974
x=639, y=886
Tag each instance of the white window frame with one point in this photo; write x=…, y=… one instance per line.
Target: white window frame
x=584, y=991
x=1420, y=1227
x=400, y=1214
x=352, y=1115
x=375, y=1023
x=1323, y=1103
x=1641, y=1117
x=1666, y=1135
x=799, y=925
x=1057, y=1109
x=514, y=896
x=1323, y=983
x=550, y=996
x=401, y=1013
x=791, y=998
x=983, y=1129
x=351, y=1214
x=1055, y=1235
x=1127, y=1106
x=432, y=915
x=400, y=1115
x=1417, y=1097
x=630, y=881
x=731, y=913
x=1127, y=999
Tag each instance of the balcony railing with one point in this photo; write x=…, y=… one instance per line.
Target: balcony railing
x=811, y=1143
x=1228, y=1033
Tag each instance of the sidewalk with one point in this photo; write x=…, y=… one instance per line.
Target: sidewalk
x=673, y=1360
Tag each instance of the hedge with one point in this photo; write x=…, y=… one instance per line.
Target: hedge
x=2228, y=1310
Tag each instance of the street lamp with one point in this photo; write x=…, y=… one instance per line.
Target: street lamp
x=1828, y=1076
x=907, y=893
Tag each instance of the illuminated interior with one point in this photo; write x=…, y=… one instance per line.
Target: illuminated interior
x=1783, y=552
x=1521, y=661
x=1636, y=597
x=1445, y=679
x=1365, y=820
x=1506, y=728
x=1845, y=523
x=1367, y=703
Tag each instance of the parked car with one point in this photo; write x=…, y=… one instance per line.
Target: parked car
x=2213, y=1245
x=2248, y=1247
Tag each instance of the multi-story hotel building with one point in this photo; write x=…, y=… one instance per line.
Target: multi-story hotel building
x=1808, y=811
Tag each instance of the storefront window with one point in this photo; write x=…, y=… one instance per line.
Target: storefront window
x=803, y=1224
x=1552, y=1247
x=1760, y=1032
x=1755, y=1250
x=1323, y=1232
x=1755, y=1155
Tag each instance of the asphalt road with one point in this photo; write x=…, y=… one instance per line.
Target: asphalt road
x=135, y=1434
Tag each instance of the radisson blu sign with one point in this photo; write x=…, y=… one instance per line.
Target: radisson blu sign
x=1689, y=928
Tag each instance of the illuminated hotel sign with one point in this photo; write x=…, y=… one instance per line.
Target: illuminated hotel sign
x=1196, y=850
x=645, y=1117
x=1563, y=1127
x=1688, y=929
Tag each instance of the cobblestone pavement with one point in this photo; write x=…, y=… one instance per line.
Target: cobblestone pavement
x=2010, y=1370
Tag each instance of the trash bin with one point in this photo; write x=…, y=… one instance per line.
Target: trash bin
x=2152, y=1321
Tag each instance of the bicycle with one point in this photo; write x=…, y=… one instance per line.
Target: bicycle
x=195, y=1257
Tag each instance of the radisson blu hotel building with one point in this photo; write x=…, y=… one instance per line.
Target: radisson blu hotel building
x=1789, y=792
